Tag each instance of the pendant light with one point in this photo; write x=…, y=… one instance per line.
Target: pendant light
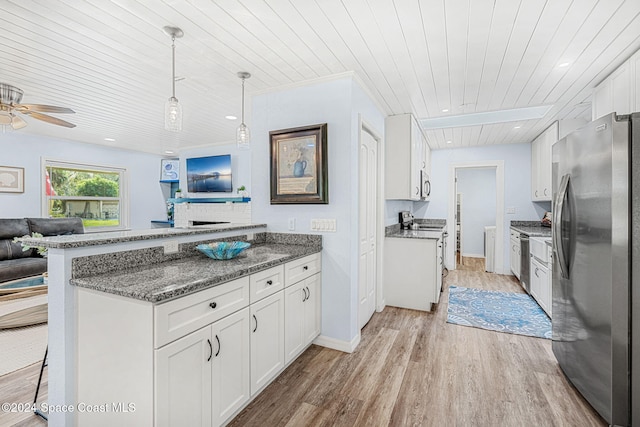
x=243, y=135
x=172, y=109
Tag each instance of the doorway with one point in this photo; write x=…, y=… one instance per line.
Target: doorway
x=496, y=167
x=476, y=187
x=368, y=185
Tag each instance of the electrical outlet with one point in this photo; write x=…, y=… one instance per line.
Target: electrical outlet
x=511, y=210
x=292, y=224
x=171, y=247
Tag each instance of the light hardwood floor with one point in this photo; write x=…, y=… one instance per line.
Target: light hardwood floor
x=20, y=387
x=410, y=369
x=414, y=369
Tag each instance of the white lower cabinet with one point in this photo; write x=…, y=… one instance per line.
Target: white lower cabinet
x=541, y=285
x=267, y=340
x=231, y=386
x=183, y=381
x=208, y=370
x=302, y=315
x=514, y=253
x=196, y=360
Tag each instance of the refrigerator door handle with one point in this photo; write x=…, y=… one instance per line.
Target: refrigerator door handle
x=557, y=225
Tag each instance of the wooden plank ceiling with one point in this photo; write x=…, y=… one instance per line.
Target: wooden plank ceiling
x=111, y=62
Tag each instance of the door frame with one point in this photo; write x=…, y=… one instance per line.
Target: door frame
x=366, y=126
x=498, y=165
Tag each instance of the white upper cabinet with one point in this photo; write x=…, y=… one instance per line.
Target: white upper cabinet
x=541, y=164
x=406, y=161
x=620, y=92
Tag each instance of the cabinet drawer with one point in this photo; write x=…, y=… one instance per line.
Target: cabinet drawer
x=177, y=318
x=302, y=268
x=515, y=235
x=265, y=283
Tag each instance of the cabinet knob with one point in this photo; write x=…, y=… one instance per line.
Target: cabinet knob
x=269, y=282
x=213, y=304
x=305, y=268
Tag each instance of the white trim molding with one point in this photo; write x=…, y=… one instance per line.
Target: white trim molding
x=344, y=346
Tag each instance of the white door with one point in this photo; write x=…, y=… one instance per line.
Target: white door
x=183, y=381
x=367, y=235
x=230, y=348
x=267, y=340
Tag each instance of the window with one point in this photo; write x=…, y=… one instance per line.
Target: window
x=94, y=193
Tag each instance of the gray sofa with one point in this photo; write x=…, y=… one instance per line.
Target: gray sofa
x=16, y=263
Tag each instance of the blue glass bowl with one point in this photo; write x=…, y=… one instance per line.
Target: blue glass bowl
x=223, y=250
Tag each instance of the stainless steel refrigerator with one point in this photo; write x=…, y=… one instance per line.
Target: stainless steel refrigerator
x=596, y=235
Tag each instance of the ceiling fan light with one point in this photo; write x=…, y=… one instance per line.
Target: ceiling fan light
x=173, y=115
x=243, y=137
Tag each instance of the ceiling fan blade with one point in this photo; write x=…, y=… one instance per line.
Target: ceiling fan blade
x=49, y=119
x=43, y=108
x=17, y=123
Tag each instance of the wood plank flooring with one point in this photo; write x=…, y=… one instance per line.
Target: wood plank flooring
x=414, y=369
x=410, y=369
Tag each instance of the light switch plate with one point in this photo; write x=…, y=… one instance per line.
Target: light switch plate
x=511, y=210
x=292, y=224
x=323, y=225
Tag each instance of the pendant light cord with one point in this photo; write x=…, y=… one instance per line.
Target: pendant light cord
x=243, y=79
x=173, y=65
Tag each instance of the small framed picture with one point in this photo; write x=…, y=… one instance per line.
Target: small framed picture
x=169, y=170
x=11, y=179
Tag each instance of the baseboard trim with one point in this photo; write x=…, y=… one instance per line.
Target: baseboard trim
x=472, y=256
x=344, y=346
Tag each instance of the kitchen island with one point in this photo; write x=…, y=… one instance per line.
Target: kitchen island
x=150, y=268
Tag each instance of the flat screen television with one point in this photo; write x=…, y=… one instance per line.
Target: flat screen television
x=209, y=174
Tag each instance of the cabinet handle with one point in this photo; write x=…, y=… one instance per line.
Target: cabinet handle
x=213, y=304
x=305, y=268
x=545, y=191
x=536, y=272
x=304, y=292
x=210, y=349
x=219, y=347
x=417, y=190
x=269, y=282
x=256, y=320
x=536, y=193
x=429, y=192
x=308, y=293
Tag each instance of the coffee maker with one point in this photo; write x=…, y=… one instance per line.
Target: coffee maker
x=406, y=220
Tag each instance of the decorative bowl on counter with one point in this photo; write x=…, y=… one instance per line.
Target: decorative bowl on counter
x=223, y=250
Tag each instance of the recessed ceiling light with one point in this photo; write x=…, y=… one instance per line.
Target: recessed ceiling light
x=231, y=117
x=448, y=142
x=445, y=110
x=564, y=64
x=516, y=127
x=109, y=139
x=486, y=118
x=168, y=152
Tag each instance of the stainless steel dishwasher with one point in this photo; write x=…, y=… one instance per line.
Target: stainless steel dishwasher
x=524, y=262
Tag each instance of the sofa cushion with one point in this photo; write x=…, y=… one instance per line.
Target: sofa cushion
x=13, y=269
x=56, y=226
x=10, y=228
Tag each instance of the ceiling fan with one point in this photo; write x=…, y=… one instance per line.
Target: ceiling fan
x=10, y=97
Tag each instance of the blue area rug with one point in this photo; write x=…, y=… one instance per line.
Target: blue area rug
x=497, y=311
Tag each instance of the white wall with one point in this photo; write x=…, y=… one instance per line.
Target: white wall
x=478, y=190
x=18, y=149
x=517, y=176
x=337, y=103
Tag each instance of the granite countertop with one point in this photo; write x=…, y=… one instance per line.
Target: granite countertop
x=416, y=234
x=162, y=282
x=110, y=237
x=531, y=228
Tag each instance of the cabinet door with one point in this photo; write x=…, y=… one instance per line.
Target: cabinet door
x=312, y=309
x=621, y=89
x=535, y=281
x=230, y=368
x=416, y=160
x=535, y=168
x=294, y=318
x=540, y=276
x=544, y=162
x=267, y=340
x=602, y=100
x=183, y=381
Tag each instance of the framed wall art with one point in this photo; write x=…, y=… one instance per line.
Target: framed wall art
x=11, y=179
x=169, y=170
x=299, y=165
